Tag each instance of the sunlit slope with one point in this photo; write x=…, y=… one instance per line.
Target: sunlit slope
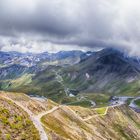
x=62, y=122
x=15, y=123
x=35, y=105
x=77, y=123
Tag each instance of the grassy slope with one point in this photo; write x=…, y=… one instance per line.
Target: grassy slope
x=130, y=89
x=15, y=123
x=43, y=85
x=137, y=102
x=17, y=82
x=118, y=123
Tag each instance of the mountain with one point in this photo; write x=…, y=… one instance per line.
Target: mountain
x=10, y=58
x=12, y=71
x=108, y=72
x=29, y=59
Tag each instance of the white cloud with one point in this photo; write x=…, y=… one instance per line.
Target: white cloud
x=80, y=23
x=24, y=46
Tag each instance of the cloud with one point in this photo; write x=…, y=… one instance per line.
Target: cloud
x=77, y=24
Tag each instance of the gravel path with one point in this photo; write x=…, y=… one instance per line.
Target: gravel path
x=34, y=118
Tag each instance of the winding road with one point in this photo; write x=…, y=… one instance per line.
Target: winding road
x=90, y=117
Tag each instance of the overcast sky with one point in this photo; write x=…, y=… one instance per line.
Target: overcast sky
x=53, y=25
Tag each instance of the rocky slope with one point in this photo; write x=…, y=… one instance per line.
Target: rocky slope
x=30, y=59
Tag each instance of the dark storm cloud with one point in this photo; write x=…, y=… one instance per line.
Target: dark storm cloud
x=35, y=16
x=84, y=23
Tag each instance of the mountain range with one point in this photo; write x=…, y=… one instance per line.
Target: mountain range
x=67, y=75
